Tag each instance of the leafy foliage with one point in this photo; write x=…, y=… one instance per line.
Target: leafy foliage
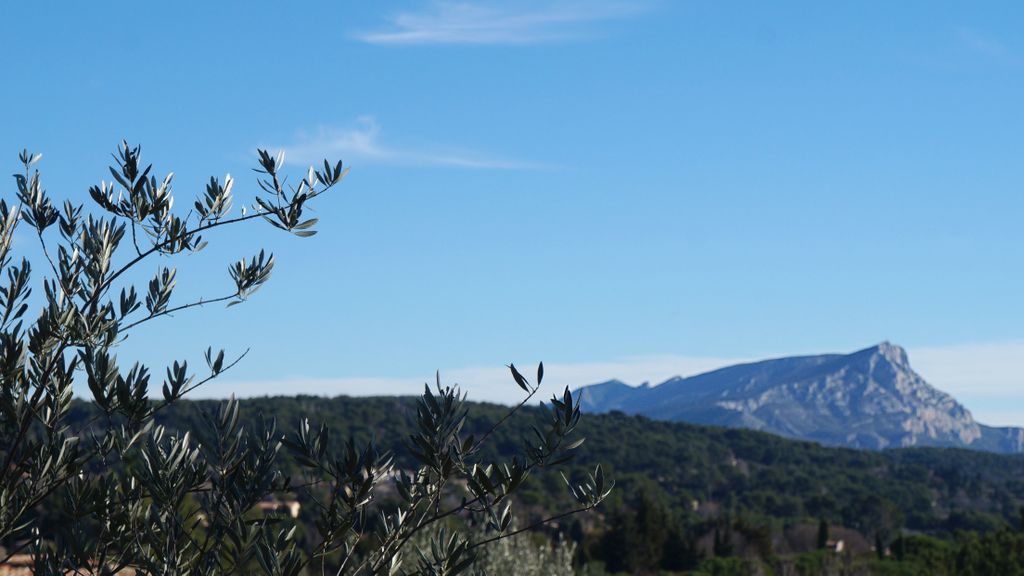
x=118, y=488
x=678, y=483
x=525, y=554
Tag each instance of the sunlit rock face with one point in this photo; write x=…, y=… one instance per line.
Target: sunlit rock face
x=869, y=399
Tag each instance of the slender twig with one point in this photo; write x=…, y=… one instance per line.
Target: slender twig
x=135, y=241
x=423, y=522
x=167, y=403
x=46, y=253
x=480, y=442
x=199, y=302
x=530, y=527
x=351, y=551
x=15, y=552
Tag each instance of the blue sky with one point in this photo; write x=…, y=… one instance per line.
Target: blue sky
x=625, y=190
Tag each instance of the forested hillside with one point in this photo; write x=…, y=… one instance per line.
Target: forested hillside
x=689, y=496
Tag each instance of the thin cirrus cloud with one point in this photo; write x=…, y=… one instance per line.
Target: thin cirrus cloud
x=492, y=23
x=363, y=142
x=986, y=46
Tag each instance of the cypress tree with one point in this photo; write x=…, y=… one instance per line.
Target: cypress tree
x=900, y=547
x=723, y=541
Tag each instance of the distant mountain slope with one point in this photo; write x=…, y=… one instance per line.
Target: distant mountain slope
x=868, y=399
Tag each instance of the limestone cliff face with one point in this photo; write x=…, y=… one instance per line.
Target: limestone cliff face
x=869, y=399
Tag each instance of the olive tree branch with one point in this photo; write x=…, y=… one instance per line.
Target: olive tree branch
x=189, y=233
x=53, y=486
x=15, y=552
x=479, y=443
x=46, y=253
x=537, y=524
x=200, y=302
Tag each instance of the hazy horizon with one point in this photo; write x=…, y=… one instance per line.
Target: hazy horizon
x=980, y=392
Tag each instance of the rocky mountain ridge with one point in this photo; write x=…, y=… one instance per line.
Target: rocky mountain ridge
x=871, y=398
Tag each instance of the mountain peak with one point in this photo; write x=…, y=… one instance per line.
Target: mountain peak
x=871, y=398
x=892, y=353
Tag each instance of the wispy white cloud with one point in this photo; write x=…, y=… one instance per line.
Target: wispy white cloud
x=493, y=23
x=362, y=141
x=984, y=45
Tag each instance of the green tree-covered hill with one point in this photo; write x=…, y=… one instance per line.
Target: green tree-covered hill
x=689, y=492
x=925, y=489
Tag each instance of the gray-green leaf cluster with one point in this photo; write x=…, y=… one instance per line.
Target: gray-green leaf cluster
x=122, y=492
